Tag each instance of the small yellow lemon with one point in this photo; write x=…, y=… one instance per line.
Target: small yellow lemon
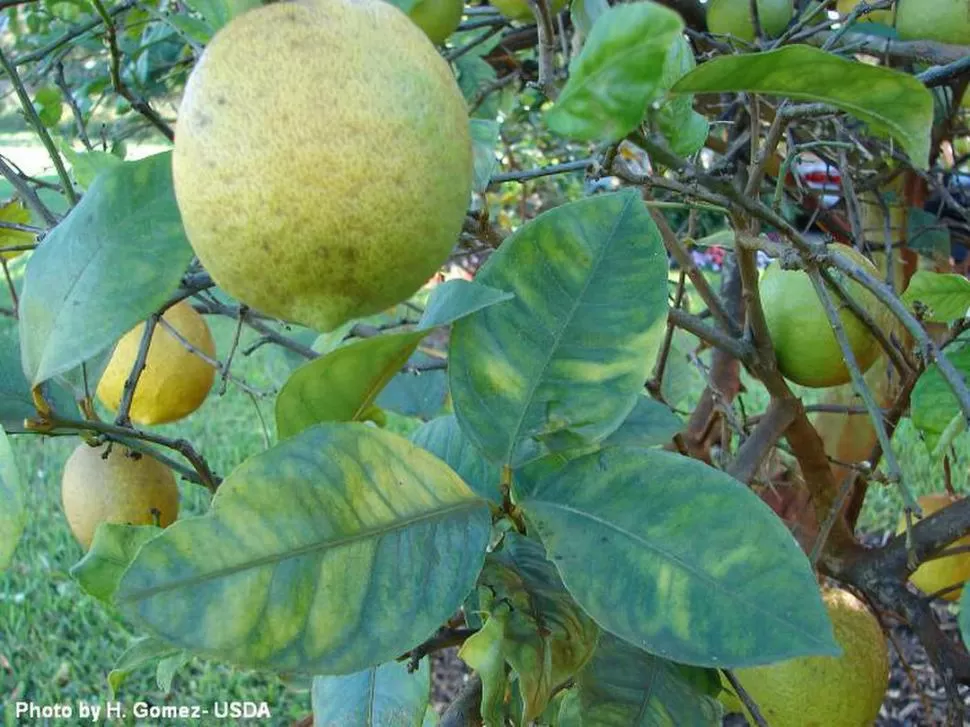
x=175, y=381
x=939, y=573
x=102, y=485
x=827, y=691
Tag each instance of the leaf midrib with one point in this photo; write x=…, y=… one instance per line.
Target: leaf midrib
x=375, y=532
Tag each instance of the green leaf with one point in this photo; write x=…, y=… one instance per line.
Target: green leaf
x=413, y=393
x=13, y=512
x=143, y=651
x=927, y=234
x=342, y=385
x=483, y=652
x=963, y=619
x=86, y=165
x=946, y=295
x=75, y=302
x=679, y=559
x=112, y=550
x=382, y=696
x=16, y=403
x=623, y=686
x=585, y=13
x=649, y=424
x=933, y=405
x=484, y=141
x=219, y=12
x=430, y=718
x=889, y=101
x=333, y=531
x=547, y=637
x=617, y=74
x=567, y=358
x=445, y=439
x=168, y=667
x=685, y=129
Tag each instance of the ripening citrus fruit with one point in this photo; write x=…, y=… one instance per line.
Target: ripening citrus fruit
x=323, y=159
x=805, y=344
x=939, y=573
x=437, y=18
x=733, y=17
x=877, y=16
x=117, y=488
x=945, y=21
x=520, y=10
x=175, y=381
x=827, y=691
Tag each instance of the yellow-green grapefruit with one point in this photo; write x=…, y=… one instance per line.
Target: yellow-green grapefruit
x=437, y=18
x=827, y=691
x=322, y=159
x=116, y=485
x=806, y=347
x=945, y=21
x=939, y=573
x=733, y=17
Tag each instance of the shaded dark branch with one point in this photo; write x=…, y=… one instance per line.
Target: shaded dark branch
x=70, y=35
x=772, y=426
x=123, y=418
x=465, y=711
x=714, y=336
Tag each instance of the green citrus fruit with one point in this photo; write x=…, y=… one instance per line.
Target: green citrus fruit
x=323, y=159
x=437, y=18
x=827, y=691
x=116, y=488
x=175, y=381
x=520, y=10
x=939, y=573
x=878, y=16
x=945, y=21
x=733, y=17
x=805, y=344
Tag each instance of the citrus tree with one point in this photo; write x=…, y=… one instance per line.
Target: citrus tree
x=512, y=461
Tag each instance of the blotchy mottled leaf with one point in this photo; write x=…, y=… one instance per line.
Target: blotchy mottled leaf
x=112, y=550
x=946, y=295
x=328, y=534
x=933, y=405
x=485, y=653
x=342, y=385
x=617, y=74
x=649, y=424
x=116, y=258
x=547, y=637
x=445, y=439
x=382, y=696
x=889, y=101
x=566, y=359
x=13, y=514
x=679, y=559
x=623, y=686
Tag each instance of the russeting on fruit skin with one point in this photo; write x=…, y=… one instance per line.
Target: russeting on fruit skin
x=111, y=484
x=827, y=691
x=806, y=347
x=323, y=159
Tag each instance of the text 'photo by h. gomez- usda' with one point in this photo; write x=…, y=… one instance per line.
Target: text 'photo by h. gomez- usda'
x=522, y=363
